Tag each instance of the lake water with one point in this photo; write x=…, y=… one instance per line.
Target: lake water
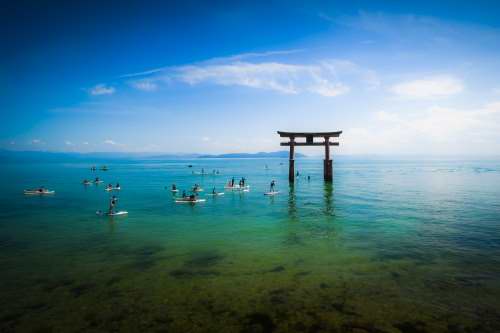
x=391, y=246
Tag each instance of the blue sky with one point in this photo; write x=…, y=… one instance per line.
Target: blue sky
x=396, y=77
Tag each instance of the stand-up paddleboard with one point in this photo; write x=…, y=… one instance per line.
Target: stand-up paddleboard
x=98, y=182
x=121, y=212
x=86, y=183
x=237, y=187
x=36, y=192
x=189, y=200
x=174, y=191
x=112, y=189
x=215, y=194
x=272, y=193
x=198, y=190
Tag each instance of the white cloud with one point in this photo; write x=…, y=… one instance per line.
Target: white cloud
x=205, y=139
x=110, y=142
x=101, y=89
x=435, y=130
x=144, y=85
x=36, y=142
x=85, y=143
x=327, y=78
x=430, y=87
x=68, y=143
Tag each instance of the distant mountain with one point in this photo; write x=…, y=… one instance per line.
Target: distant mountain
x=275, y=154
x=102, y=157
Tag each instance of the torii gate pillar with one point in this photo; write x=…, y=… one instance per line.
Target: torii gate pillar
x=327, y=163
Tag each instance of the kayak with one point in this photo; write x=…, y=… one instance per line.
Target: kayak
x=36, y=192
x=122, y=212
x=189, y=200
x=271, y=193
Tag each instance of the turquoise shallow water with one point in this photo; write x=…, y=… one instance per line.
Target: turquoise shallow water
x=392, y=246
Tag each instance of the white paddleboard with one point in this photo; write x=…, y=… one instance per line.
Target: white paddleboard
x=190, y=201
x=272, y=193
x=215, y=194
x=174, y=191
x=35, y=192
x=198, y=190
x=99, y=181
x=122, y=212
x=113, y=189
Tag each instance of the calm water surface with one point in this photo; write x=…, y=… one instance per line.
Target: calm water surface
x=391, y=246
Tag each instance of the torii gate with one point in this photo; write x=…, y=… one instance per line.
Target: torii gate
x=327, y=165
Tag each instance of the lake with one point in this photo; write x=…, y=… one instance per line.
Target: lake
x=393, y=245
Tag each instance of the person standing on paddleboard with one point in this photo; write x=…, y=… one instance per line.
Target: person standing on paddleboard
x=273, y=183
x=112, y=204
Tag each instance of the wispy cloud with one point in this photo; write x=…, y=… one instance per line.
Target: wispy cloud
x=101, y=89
x=236, y=57
x=36, y=142
x=68, y=143
x=144, y=85
x=325, y=78
x=110, y=142
x=430, y=87
x=435, y=129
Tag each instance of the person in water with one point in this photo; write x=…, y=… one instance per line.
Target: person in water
x=192, y=197
x=308, y=178
x=213, y=191
x=232, y=182
x=273, y=184
x=96, y=179
x=184, y=193
x=117, y=185
x=298, y=174
x=243, y=181
x=110, y=186
x=174, y=187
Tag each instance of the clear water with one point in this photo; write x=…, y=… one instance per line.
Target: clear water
x=392, y=246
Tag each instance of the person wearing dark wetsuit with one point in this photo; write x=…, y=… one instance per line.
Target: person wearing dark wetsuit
x=273, y=183
x=112, y=204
